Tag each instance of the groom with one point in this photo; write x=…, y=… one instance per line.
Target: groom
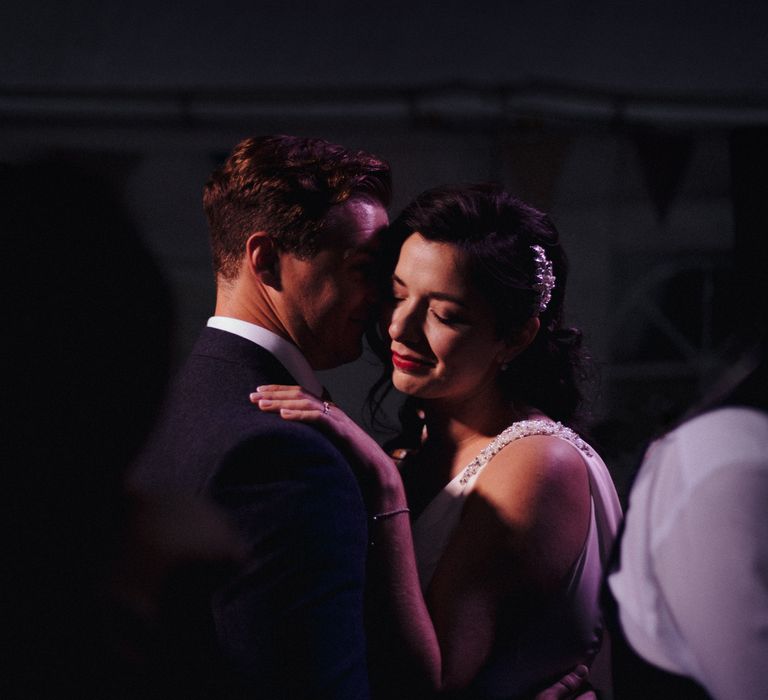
x=294, y=226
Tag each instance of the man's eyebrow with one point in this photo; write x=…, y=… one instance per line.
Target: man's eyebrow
x=370, y=250
x=440, y=296
x=364, y=251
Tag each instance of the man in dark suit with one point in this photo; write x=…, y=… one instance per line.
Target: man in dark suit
x=294, y=227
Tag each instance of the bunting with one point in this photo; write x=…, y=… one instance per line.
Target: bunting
x=664, y=157
x=532, y=164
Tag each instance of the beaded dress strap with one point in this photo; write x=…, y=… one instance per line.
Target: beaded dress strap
x=521, y=429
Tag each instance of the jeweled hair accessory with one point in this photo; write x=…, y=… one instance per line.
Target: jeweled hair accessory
x=545, y=280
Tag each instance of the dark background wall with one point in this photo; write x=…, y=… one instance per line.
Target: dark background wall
x=639, y=125
x=673, y=45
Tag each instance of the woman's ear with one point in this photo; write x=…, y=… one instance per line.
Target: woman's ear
x=263, y=259
x=520, y=341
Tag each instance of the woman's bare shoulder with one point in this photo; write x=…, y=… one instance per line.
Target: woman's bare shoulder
x=531, y=465
x=526, y=519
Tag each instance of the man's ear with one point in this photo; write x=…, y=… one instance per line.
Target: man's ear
x=263, y=259
x=520, y=341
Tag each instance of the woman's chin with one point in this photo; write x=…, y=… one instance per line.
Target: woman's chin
x=407, y=384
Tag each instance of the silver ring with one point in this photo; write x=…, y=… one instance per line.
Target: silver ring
x=326, y=408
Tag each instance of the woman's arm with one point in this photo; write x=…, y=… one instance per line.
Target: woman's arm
x=392, y=562
x=521, y=529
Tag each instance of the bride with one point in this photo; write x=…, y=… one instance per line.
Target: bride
x=489, y=537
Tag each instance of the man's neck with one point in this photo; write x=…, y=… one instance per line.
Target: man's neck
x=254, y=307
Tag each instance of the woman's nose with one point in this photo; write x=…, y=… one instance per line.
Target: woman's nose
x=403, y=325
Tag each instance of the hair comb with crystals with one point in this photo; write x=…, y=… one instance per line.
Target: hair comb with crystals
x=545, y=280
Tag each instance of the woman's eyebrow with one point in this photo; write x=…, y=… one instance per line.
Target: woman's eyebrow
x=441, y=296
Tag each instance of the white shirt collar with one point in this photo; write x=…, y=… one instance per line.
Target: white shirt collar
x=286, y=352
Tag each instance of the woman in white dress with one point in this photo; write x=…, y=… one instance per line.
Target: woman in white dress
x=489, y=539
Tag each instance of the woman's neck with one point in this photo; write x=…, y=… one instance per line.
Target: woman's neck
x=455, y=423
x=456, y=430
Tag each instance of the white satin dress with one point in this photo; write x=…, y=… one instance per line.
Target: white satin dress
x=529, y=652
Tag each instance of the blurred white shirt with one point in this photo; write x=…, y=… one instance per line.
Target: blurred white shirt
x=693, y=584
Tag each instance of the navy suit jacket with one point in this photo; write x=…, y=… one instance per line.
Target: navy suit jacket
x=290, y=625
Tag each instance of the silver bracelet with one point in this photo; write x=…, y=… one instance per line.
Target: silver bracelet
x=383, y=516
x=389, y=514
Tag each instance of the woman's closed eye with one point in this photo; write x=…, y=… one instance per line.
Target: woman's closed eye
x=397, y=295
x=446, y=318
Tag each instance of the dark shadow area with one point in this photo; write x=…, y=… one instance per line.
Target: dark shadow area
x=101, y=598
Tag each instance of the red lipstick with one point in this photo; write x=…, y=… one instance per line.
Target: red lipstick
x=409, y=364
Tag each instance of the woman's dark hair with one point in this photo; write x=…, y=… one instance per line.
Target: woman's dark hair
x=496, y=232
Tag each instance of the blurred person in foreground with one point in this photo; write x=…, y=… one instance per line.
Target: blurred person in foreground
x=689, y=592
x=93, y=572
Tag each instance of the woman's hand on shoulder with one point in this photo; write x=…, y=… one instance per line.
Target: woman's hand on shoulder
x=296, y=404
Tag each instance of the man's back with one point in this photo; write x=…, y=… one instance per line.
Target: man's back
x=290, y=624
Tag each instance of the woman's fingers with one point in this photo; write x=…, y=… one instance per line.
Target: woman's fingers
x=275, y=403
x=292, y=405
x=312, y=416
x=281, y=391
x=279, y=387
x=295, y=403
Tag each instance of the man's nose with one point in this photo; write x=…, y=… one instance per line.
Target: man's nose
x=372, y=291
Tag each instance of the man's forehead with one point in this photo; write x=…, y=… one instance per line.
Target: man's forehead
x=355, y=226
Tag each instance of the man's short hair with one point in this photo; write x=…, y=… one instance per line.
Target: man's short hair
x=285, y=185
